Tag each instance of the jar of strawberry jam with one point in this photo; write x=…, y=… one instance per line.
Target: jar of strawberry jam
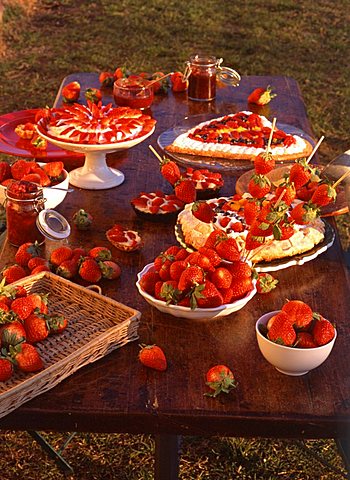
x=202, y=71
x=24, y=201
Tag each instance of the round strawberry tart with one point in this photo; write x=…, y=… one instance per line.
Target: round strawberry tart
x=229, y=218
x=157, y=206
x=95, y=124
x=207, y=183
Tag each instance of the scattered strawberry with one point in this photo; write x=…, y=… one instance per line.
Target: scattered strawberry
x=110, y=270
x=153, y=356
x=40, y=268
x=26, y=252
x=6, y=369
x=106, y=79
x=220, y=379
x=71, y=92
x=203, y=211
x=36, y=262
x=118, y=73
x=261, y=96
x=259, y=186
x=323, y=195
x=12, y=273
x=94, y=95
x=265, y=283
x=299, y=313
x=185, y=190
x=323, y=331
x=68, y=268
x=100, y=253
x=26, y=357
x=60, y=254
x=82, y=219
x=90, y=271
x=178, y=82
x=56, y=323
x=170, y=170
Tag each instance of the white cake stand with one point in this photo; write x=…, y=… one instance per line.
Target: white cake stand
x=95, y=174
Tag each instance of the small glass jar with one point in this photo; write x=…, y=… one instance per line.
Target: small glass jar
x=133, y=92
x=24, y=201
x=202, y=72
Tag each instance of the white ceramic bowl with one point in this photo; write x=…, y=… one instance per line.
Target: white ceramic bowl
x=53, y=196
x=290, y=360
x=198, y=313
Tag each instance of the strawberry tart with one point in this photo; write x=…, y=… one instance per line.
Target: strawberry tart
x=230, y=219
x=95, y=124
x=239, y=136
x=157, y=206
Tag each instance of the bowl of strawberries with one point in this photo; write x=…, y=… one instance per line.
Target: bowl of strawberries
x=52, y=176
x=295, y=339
x=197, y=285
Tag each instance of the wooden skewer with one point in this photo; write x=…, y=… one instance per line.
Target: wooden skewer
x=346, y=174
x=155, y=153
x=280, y=198
x=271, y=135
x=315, y=149
x=157, y=80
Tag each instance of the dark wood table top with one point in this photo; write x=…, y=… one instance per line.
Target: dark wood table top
x=117, y=394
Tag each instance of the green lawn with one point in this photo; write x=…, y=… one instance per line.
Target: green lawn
x=303, y=39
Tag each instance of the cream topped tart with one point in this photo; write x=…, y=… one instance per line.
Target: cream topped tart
x=95, y=124
x=239, y=136
x=157, y=206
x=229, y=218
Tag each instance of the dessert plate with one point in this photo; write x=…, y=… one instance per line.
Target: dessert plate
x=222, y=164
x=12, y=144
x=282, y=263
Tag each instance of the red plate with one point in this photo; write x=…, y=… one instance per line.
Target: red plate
x=12, y=144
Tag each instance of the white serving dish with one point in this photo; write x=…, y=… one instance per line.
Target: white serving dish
x=291, y=360
x=198, y=313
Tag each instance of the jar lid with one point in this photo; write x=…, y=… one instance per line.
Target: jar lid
x=228, y=76
x=53, y=225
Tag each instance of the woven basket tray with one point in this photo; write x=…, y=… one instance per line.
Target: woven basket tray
x=96, y=326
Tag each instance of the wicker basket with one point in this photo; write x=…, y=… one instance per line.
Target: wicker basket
x=97, y=325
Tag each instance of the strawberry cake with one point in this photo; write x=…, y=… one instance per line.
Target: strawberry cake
x=157, y=206
x=95, y=124
x=239, y=136
x=229, y=218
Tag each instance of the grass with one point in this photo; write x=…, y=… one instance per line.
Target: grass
x=45, y=40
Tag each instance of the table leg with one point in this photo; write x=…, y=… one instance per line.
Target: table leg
x=167, y=457
x=54, y=454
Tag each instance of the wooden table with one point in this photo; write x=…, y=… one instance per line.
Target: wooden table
x=117, y=394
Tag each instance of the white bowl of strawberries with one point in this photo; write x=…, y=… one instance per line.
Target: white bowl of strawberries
x=51, y=176
x=294, y=339
x=196, y=285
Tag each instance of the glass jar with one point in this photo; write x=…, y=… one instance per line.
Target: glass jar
x=202, y=72
x=133, y=92
x=24, y=201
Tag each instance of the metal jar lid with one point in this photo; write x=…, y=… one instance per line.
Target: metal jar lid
x=53, y=225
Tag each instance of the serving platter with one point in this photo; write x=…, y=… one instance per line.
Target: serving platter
x=12, y=144
x=166, y=138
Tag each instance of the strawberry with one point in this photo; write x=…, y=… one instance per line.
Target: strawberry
x=259, y=186
x=12, y=273
x=20, y=291
x=282, y=331
x=323, y=331
x=304, y=213
x=261, y=229
x=36, y=327
x=25, y=252
x=6, y=369
x=220, y=379
x=82, y=219
x=277, y=316
x=300, y=173
x=110, y=270
x=181, y=254
x=100, y=253
x=211, y=254
x=36, y=262
x=162, y=258
x=178, y=82
x=305, y=340
x=25, y=130
x=152, y=356
x=251, y=210
x=25, y=306
x=12, y=333
x=4, y=307
x=306, y=191
x=228, y=249
x=20, y=168
x=53, y=169
x=60, y=254
x=148, y=281
x=71, y=92
x=221, y=277
x=264, y=163
x=170, y=170
x=39, y=142
x=265, y=283
x=261, y=96
x=176, y=268
x=68, y=268
x=289, y=192
x=106, y=79
x=214, y=238
x=164, y=270
x=118, y=73
x=5, y=171
x=197, y=258
x=240, y=288
x=44, y=178
x=90, y=271
x=56, y=323
x=323, y=195
x=26, y=357
x=94, y=95
x=40, y=268
x=240, y=270
x=193, y=275
x=169, y=292
x=299, y=313
x=206, y=295
x=185, y=190
x=32, y=177
x=252, y=242
x=203, y=211
x=283, y=231
x=42, y=113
